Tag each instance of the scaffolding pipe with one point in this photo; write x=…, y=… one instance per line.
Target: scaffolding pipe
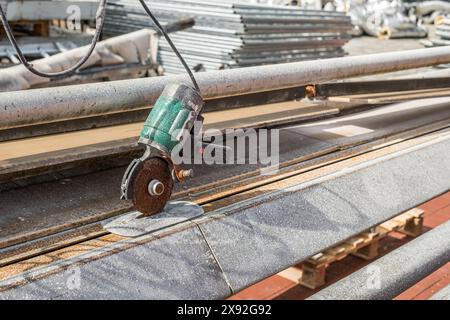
x=52, y=104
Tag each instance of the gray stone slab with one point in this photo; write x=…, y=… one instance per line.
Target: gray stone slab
x=397, y=271
x=178, y=266
x=293, y=224
x=134, y=225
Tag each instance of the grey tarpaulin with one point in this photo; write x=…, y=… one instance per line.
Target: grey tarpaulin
x=137, y=47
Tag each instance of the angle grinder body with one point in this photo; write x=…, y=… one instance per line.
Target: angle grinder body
x=149, y=180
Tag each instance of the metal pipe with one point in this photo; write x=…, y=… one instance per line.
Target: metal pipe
x=392, y=33
x=45, y=105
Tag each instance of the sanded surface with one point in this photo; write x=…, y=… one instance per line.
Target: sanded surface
x=134, y=225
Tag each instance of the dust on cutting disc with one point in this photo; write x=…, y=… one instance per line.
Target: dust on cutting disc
x=153, y=169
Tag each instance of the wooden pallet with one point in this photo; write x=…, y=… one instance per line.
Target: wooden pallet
x=364, y=245
x=40, y=28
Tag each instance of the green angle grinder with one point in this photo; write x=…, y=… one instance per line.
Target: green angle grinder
x=149, y=180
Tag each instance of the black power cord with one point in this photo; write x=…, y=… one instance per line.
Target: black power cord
x=100, y=19
x=172, y=45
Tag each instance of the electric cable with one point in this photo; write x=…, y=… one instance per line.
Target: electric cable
x=172, y=45
x=100, y=18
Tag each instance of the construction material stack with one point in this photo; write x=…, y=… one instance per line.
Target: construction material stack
x=230, y=35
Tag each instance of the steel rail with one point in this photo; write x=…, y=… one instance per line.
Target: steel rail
x=46, y=105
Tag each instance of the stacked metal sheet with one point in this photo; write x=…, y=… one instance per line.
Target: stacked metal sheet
x=230, y=35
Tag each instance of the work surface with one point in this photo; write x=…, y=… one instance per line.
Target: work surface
x=66, y=201
x=346, y=165
x=338, y=176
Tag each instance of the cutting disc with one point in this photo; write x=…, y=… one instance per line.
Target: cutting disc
x=154, y=169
